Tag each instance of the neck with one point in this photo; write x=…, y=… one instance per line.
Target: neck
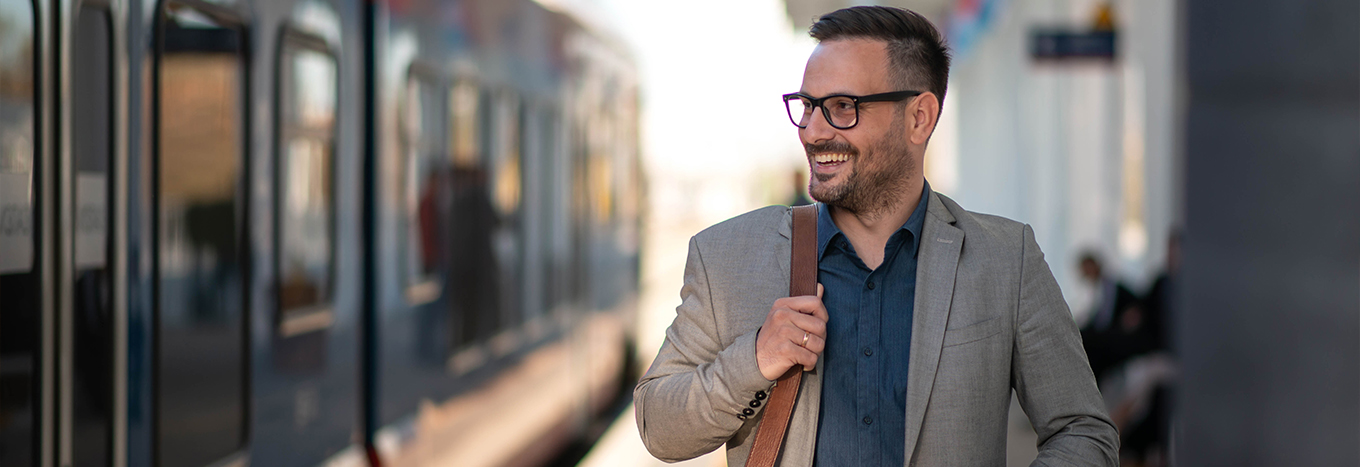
x=869, y=232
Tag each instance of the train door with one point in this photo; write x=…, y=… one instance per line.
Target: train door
x=89, y=411
x=26, y=295
x=306, y=344
x=200, y=387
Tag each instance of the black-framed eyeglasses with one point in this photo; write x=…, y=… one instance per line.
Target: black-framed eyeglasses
x=840, y=110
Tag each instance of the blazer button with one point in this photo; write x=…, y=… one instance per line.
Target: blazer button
x=755, y=404
x=748, y=412
x=760, y=395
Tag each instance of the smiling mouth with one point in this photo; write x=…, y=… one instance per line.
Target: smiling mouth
x=830, y=160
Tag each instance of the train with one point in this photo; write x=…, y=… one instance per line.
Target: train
x=313, y=232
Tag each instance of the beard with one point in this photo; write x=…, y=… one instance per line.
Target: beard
x=877, y=182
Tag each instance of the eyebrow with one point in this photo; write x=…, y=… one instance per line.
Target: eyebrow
x=833, y=93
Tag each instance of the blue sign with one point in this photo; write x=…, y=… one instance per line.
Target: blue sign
x=1069, y=45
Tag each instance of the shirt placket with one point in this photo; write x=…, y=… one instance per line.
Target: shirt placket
x=869, y=369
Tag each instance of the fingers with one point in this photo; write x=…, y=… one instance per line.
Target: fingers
x=780, y=343
x=815, y=344
x=780, y=347
x=806, y=304
x=805, y=357
x=795, y=353
x=808, y=323
x=813, y=323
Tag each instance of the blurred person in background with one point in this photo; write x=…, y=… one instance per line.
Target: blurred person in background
x=1159, y=299
x=1112, y=333
x=928, y=316
x=800, y=197
x=1126, y=340
x=1142, y=401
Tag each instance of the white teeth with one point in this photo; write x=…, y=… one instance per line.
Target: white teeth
x=829, y=158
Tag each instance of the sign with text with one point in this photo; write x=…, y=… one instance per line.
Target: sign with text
x=1066, y=45
x=16, y=223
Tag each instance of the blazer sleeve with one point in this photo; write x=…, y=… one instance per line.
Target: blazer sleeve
x=688, y=401
x=1051, y=376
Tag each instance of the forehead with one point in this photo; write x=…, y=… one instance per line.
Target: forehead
x=849, y=66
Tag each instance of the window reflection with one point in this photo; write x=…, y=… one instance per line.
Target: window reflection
x=19, y=286
x=505, y=192
x=307, y=139
x=475, y=280
x=426, y=187
x=16, y=137
x=201, y=281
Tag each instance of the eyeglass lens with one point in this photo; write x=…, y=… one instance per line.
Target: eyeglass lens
x=840, y=111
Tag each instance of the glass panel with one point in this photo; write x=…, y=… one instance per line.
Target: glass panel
x=20, y=290
x=201, y=281
x=476, y=280
x=91, y=94
x=507, y=237
x=427, y=185
x=306, y=198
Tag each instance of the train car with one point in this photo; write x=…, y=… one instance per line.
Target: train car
x=311, y=232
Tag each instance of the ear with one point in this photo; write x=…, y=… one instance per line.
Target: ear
x=925, y=113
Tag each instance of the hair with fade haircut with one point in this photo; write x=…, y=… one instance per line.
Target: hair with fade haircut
x=916, y=50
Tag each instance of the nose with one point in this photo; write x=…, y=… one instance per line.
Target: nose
x=818, y=130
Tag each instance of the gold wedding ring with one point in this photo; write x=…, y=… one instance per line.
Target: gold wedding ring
x=805, y=338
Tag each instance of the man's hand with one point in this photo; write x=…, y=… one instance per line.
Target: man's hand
x=792, y=322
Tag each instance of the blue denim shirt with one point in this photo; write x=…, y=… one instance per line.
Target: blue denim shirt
x=864, y=384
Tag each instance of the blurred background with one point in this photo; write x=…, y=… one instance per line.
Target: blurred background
x=453, y=232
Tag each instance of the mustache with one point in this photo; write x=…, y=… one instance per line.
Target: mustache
x=832, y=147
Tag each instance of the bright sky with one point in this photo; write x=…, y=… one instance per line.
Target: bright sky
x=713, y=71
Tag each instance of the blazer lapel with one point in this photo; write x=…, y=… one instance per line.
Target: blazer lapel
x=786, y=231
x=937, y=263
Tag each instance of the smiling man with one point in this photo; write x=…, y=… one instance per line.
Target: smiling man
x=928, y=316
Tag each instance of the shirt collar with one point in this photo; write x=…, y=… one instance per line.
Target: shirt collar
x=827, y=230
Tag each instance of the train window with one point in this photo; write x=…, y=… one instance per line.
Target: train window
x=464, y=126
x=306, y=200
x=20, y=290
x=506, y=191
x=92, y=156
x=486, y=239
x=426, y=184
x=473, y=279
x=200, y=205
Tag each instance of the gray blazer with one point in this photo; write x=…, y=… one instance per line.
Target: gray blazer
x=989, y=318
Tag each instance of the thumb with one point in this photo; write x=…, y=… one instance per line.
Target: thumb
x=819, y=290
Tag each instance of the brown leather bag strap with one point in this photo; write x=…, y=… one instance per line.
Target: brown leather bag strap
x=802, y=281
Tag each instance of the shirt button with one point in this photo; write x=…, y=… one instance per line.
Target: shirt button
x=755, y=404
x=760, y=395
x=741, y=417
x=871, y=285
x=868, y=421
x=868, y=352
x=748, y=412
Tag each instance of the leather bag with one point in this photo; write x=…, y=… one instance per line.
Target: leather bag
x=802, y=281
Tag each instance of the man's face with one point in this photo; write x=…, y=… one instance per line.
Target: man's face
x=867, y=167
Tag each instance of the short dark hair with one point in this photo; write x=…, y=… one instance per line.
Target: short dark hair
x=916, y=50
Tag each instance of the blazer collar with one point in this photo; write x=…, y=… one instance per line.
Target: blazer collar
x=934, y=208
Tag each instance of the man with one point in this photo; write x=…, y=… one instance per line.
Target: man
x=927, y=315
